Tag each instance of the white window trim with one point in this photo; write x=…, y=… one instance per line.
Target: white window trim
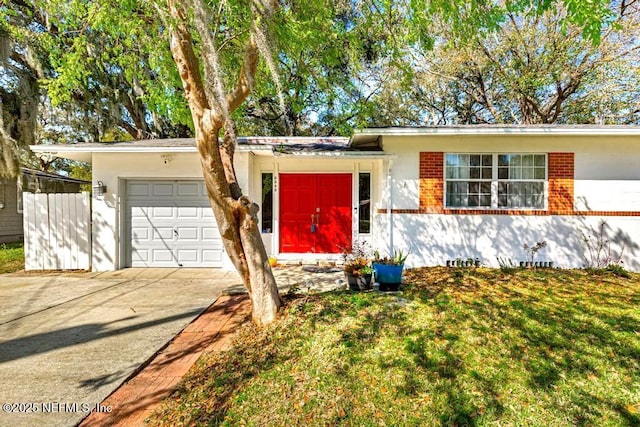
x=357, y=201
x=494, y=183
x=19, y=200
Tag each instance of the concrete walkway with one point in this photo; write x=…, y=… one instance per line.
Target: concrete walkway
x=67, y=340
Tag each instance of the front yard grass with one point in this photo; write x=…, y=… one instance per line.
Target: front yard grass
x=456, y=347
x=11, y=257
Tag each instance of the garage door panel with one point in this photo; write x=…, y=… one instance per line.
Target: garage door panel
x=187, y=255
x=212, y=256
x=165, y=212
x=210, y=234
x=141, y=255
x=188, y=234
x=189, y=189
x=162, y=255
x=139, y=212
x=188, y=212
x=171, y=224
x=163, y=189
x=137, y=189
x=139, y=234
x=163, y=233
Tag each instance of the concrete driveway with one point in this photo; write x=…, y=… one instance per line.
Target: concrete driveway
x=67, y=340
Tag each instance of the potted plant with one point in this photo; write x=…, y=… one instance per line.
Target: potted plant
x=357, y=267
x=358, y=273
x=388, y=270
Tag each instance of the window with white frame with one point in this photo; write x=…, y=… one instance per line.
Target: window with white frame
x=521, y=179
x=504, y=180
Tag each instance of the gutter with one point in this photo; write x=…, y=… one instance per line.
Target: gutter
x=501, y=130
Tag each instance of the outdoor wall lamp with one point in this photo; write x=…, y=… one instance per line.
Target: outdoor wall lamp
x=3, y=194
x=99, y=189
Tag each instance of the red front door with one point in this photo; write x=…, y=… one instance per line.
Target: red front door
x=315, y=212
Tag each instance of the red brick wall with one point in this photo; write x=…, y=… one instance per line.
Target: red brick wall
x=561, y=175
x=431, y=181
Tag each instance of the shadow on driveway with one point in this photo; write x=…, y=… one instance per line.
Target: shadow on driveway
x=47, y=341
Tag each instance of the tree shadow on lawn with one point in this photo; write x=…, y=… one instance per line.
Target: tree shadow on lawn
x=210, y=385
x=553, y=334
x=545, y=333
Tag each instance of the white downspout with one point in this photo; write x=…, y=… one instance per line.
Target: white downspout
x=390, y=207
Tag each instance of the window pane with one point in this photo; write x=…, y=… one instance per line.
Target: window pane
x=503, y=160
x=473, y=201
x=267, y=202
x=474, y=187
x=539, y=201
x=474, y=160
x=485, y=200
x=521, y=194
x=538, y=187
x=449, y=172
x=503, y=173
x=539, y=160
x=474, y=173
x=486, y=173
x=364, y=203
x=539, y=173
x=487, y=160
x=527, y=160
x=527, y=173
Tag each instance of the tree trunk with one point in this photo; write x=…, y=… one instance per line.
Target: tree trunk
x=236, y=214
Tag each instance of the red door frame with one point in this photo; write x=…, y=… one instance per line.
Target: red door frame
x=315, y=212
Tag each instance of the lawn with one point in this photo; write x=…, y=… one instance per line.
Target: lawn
x=11, y=257
x=456, y=347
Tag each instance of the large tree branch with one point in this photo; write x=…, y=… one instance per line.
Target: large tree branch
x=246, y=77
x=186, y=61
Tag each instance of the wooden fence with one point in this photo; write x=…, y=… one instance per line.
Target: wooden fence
x=57, y=231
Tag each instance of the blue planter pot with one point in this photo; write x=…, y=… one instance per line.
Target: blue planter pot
x=389, y=276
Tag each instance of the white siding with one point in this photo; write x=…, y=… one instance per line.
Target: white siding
x=57, y=231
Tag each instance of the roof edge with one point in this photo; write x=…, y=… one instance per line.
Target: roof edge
x=500, y=130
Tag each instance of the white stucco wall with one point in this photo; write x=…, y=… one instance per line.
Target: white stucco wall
x=434, y=239
x=607, y=178
x=606, y=167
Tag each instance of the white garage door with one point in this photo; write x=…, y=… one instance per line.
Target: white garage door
x=171, y=224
